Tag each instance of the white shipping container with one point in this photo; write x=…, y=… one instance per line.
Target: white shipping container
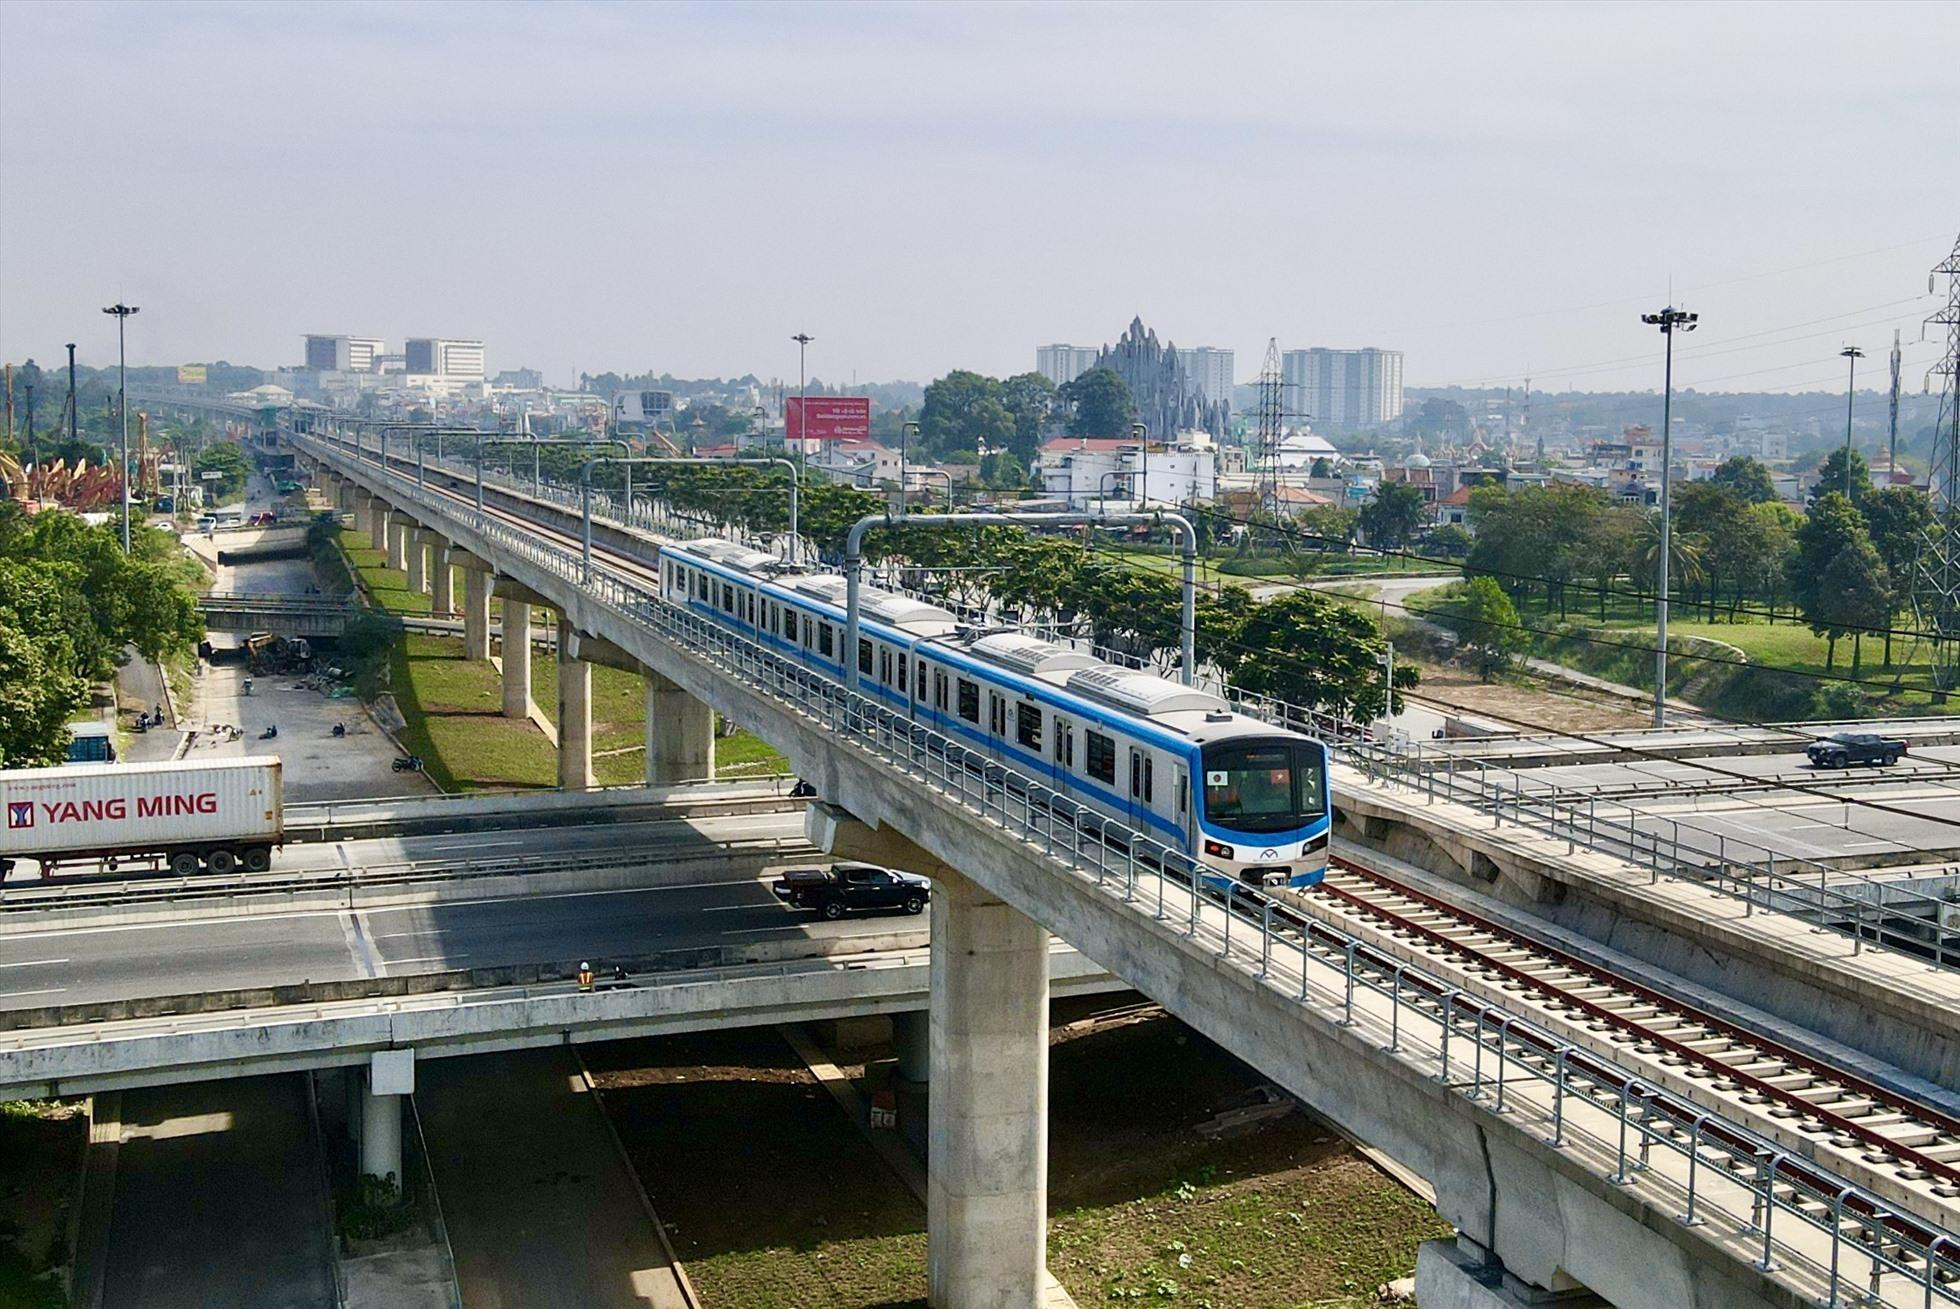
x=89, y=808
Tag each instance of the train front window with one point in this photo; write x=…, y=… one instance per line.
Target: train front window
x=1262, y=786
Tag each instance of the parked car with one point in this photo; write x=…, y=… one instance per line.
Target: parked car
x=836, y=891
x=1847, y=748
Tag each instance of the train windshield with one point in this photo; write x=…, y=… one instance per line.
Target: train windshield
x=1264, y=786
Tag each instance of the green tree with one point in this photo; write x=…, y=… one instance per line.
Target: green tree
x=1853, y=594
x=964, y=412
x=1321, y=468
x=1898, y=518
x=1030, y=400
x=1310, y=650
x=1537, y=534
x=1747, y=477
x=1449, y=541
x=232, y=466
x=1832, y=527
x=1098, y=404
x=1486, y=626
x=1830, y=475
x=1393, y=515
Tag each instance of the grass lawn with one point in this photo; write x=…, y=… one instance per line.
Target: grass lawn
x=387, y=587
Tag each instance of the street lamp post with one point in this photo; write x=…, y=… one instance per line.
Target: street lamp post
x=802, y=340
x=1670, y=320
x=905, y=431
x=1142, y=436
x=122, y=314
x=1853, y=354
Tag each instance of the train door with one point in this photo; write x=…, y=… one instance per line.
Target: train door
x=1183, y=809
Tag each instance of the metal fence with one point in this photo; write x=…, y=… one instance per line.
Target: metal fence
x=1813, y=1229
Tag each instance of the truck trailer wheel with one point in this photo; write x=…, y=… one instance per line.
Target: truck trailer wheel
x=258, y=859
x=221, y=861
x=185, y=863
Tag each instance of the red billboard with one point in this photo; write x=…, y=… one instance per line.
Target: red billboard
x=831, y=418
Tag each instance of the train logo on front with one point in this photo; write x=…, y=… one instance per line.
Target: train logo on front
x=20, y=813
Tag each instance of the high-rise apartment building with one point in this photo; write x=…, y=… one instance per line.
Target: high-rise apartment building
x=1211, y=369
x=1062, y=364
x=1346, y=390
x=455, y=361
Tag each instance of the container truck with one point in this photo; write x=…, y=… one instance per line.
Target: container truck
x=219, y=815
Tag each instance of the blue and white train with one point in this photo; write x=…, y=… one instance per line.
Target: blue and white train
x=1247, y=800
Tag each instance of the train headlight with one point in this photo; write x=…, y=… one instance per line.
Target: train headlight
x=1218, y=849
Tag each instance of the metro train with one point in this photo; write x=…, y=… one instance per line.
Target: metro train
x=1246, y=800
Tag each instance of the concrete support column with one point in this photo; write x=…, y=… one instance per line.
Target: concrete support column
x=390, y=1076
x=378, y=523
x=574, y=716
x=987, y=1176
x=418, y=561
x=680, y=735
x=1459, y=1274
x=398, y=530
x=443, y=574
x=517, y=659
x=912, y=1043
x=476, y=614
x=363, y=506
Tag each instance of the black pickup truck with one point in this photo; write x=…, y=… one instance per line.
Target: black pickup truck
x=834, y=892
x=1847, y=748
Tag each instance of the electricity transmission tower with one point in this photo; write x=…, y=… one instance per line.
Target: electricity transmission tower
x=1272, y=418
x=1936, y=579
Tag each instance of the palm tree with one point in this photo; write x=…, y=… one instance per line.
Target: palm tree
x=1686, y=552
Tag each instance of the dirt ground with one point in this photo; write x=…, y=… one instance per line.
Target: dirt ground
x=1534, y=704
x=775, y=1199
x=40, y=1150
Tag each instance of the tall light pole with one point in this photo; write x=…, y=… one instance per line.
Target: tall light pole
x=1670, y=320
x=905, y=431
x=123, y=313
x=1853, y=354
x=802, y=340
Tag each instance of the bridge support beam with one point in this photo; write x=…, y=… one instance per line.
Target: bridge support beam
x=680, y=734
x=378, y=523
x=476, y=613
x=574, y=714
x=517, y=660
x=1459, y=1274
x=418, y=561
x=987, y=1170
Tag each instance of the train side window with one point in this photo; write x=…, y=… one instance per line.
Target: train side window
x=826, y=640
x=920, y=665
x=969, y=700
x=1146, y=779
x=864, y=655
x=1136, y=775
x=728, y=598
x=1099, y=753
x=1183, y=793
x=885, y=667
x=1027, y=726
x=904, y=682
x=996, y=714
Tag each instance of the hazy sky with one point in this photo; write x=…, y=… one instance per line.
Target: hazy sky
x=1492, y=189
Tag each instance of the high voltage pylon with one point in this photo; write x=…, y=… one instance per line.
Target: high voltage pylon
x=1936, y=577
x=1272, y=426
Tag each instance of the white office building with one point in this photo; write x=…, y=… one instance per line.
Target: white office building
x=1210, y=369
x=1062, y=364
x=342, y=354
x=450, y=360
x=1084, y=470
x=1345, y=390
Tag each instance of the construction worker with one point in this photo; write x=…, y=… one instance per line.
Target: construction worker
x=584, y=975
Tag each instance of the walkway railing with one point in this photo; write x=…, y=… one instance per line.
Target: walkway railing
x=1728, y=865
x=1804, y=1224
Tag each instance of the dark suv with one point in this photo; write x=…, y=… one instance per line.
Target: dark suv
x=834, y=892
x=1847, y=748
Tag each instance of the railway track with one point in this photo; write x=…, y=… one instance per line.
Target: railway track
x=1904, y=1150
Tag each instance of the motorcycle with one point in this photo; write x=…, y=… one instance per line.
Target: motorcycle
x=340, y=729
x=269, y=733
x=406, y=763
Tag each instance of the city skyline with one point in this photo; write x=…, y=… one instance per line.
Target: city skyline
x=941, y=253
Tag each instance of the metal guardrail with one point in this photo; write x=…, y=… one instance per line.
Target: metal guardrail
x=1733, y=1176
x=1735, y=867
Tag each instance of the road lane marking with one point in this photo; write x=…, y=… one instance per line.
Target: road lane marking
x=427, y=931
x=46, y=990
x=33, y=963
x=433, y=958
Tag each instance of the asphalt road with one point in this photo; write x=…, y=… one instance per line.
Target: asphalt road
x=79, y=966
x=541, y=1209
x=218, y=1200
